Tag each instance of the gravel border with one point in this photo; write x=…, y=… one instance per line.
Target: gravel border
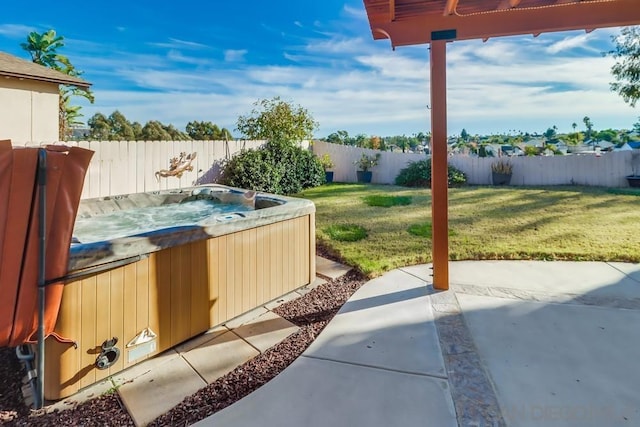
x=310, y=312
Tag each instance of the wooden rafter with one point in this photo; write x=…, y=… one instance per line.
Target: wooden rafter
x=450, y=7
x=392, y=10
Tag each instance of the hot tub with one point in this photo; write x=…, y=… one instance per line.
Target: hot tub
x=130, y=295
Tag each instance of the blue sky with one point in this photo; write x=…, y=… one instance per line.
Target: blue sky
x=210, y=61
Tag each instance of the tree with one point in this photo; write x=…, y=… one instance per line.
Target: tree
x=120, y=128
x=174, y=134
x=464, y=135
x=589, y=126
x=574, y=138
x=626, y=70
x=43, y=50
x=153, y=130
x=277, y=120
x=339, y=137
x=207, y=131
x=99, y=128
x=551, y=134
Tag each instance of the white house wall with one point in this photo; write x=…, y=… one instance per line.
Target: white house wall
x=28, y=111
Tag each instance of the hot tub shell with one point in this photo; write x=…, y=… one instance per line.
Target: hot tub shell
x=167, y=286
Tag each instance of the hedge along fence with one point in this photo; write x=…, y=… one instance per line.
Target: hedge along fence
x=606, y=170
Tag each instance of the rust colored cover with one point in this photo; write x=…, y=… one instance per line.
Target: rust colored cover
x=17, y=185
x=66, y=169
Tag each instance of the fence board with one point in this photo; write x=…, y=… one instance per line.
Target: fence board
x=604, y=170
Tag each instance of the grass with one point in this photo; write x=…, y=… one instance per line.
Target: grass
x=544, y=223
x=386, y=201
x=346, y=232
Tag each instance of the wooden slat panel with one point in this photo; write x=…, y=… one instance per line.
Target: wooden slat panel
x=199, y=307
x=88, y=335
x=179, y=297
x=116, y=317
x=214, y=282
x=301, y=277
x=59, y=375
x=102, y=319
x=287, y=253
x=226, y=307
x=243, y=265
x=273, y=271
x=163, y=298
x=279, y=260
x=251, y=254
x=130, y=305
x=142, y=296
x=231, y=294
x=261, y=266
x=236, y=284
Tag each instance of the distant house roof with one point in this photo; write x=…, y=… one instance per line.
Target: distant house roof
x=11, y=66
x=634, y=144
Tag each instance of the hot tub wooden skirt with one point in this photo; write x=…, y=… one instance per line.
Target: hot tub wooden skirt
x=172, y=296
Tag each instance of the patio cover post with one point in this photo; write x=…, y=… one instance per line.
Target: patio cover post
x=439, y=180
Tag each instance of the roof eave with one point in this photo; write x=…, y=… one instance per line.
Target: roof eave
x=77, y=83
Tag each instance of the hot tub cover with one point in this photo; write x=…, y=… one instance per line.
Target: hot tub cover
x=66, y=169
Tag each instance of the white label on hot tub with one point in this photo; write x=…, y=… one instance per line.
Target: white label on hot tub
x=141, y=351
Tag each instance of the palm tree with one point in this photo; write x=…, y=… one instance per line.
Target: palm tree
x=43, y=50
x=588, y=125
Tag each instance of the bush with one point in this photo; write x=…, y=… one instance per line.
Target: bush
x=278, y=167
x=418, y=174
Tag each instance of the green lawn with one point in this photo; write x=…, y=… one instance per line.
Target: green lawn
x=550, y=223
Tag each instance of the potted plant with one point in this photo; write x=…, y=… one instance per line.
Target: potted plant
x=501, y=172
x=327, y=164
x=364, y=164
x=634, y=178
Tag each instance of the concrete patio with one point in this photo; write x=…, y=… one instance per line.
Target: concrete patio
x=518, y=343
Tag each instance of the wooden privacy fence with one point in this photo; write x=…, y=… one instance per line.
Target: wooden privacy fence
x=344, y=156
x=124, y=167
x=605, y=170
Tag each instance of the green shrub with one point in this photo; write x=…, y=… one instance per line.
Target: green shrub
x=386, y=201
x=346, y=232
x=278, y=167
x=418, y=174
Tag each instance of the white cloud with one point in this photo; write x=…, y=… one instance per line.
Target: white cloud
x=569, y=43
x=16, y=30
x=234, y=55
x=180, y=44
x=177, y=56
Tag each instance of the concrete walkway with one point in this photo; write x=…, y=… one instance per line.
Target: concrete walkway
x=518, y=343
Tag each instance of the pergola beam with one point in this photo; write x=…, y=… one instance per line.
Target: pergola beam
x=509, y=22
